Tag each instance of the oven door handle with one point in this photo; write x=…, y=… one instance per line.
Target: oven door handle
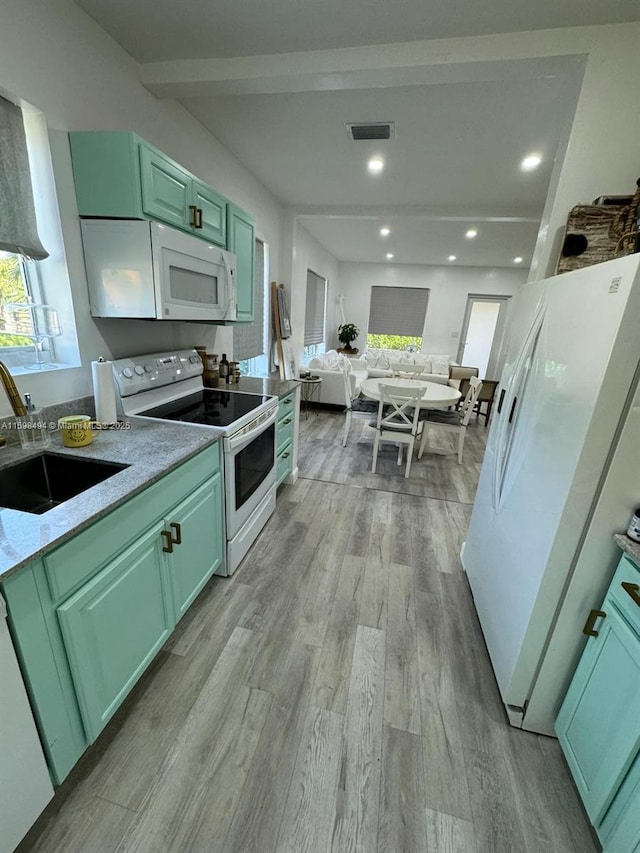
x=243, y=437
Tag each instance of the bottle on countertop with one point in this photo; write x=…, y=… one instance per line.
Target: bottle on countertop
x=224, y=368
x=634, y=526
x=33, y=428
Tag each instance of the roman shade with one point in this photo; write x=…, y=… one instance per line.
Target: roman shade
x=398, y=310
x=18, y=229
x=248, y=338
x=314, y=309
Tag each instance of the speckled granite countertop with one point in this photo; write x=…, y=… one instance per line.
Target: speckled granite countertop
x=256, y=385
x=151, y=449
x=628, y=546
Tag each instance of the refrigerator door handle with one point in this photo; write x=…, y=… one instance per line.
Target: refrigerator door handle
x=501, y=400
x=513, y=409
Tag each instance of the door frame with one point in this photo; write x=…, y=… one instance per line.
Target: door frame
x=494, y=365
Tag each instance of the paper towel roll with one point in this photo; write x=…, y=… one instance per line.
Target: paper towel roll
x=104, y=392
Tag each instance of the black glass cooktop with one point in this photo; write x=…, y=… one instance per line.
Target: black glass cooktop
x=210, y=406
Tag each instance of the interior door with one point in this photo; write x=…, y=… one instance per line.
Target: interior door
x=482, y=334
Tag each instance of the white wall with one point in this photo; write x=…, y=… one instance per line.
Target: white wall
x=449, y=288
x=55, y=57
x=308, y=254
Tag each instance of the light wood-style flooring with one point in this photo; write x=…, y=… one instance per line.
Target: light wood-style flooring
x=334, y=696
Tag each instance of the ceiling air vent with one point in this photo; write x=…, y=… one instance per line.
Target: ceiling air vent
x=366, y=130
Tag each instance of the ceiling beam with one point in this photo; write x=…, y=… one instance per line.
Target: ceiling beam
x=528, y=54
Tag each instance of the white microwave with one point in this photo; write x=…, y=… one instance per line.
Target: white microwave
x=145, y=270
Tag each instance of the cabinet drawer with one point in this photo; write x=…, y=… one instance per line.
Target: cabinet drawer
x=284, y=432
x=625, y=598
x=77, y=561
x=283, y=463
x=286, y=405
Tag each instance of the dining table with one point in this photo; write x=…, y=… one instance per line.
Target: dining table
x=436, y=395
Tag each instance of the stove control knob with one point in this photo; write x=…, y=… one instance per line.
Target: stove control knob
x=194, y=359
x=139, y=369
x=127, y=373
x=148, y=368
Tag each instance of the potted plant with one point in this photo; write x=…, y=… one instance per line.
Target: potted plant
x=348, y=332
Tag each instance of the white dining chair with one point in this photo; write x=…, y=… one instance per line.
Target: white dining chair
x=398, y=420
x=354, y=405
x=456, y=421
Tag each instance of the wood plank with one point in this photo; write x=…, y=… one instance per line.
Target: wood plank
x=82, y=823
x=496, y=818
x=375, y=590
x=402, y=825
x=402, y=680
x=310, y=808
x=447, y=834
x=356, y=823
x=191, y=805
x=445, y=776
x=256, y=822
x=336, y=656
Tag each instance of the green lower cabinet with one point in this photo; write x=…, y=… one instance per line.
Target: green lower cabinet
x=196, y=523
x=598, y=725
x=114, y=626
x=620, y=829
x=284, y=464
x=90, y=616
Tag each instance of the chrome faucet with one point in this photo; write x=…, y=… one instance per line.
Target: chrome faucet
x=13, y=395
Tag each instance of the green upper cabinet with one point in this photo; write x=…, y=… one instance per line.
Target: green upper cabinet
x=210, y=213
x=241, y=241
x=166, y=188
x=118, y=174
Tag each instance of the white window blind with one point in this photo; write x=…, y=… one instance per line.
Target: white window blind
x=314, y=309
x=248, y=338
x=398, y=310
x=18, y=229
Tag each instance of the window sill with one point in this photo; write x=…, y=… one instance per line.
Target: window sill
x=24, y=370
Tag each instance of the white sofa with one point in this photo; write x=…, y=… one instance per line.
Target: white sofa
x=383, y=362
x=374, y=364
x=329, y=368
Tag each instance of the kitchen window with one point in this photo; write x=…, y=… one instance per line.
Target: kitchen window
x=36, y=334
x=314, y=316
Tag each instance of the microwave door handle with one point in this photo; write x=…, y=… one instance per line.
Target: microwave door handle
x=231, y=301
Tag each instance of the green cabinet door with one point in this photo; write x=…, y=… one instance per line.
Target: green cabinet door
x=166, y=189
x=241, y=241
x=212, y=213
x=598, y=723
x=197, y=531
x=620, y=829
x=113, y=627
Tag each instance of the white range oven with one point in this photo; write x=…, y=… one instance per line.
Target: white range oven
x=168, y=386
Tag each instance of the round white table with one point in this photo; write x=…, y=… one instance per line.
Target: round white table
x=435, y=395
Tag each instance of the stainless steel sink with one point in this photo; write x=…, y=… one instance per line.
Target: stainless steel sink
x=42, y=482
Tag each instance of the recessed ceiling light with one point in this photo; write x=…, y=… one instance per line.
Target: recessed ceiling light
x=452, y=257
x=375, y=165
x=384, y=232
x=389, y=256
x=471, y=233
x=518, y=260
x=531, y=162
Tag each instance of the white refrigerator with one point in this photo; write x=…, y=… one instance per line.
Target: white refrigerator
x=561, y=474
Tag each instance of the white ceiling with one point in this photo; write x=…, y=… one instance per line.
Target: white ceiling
x=462, y=129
